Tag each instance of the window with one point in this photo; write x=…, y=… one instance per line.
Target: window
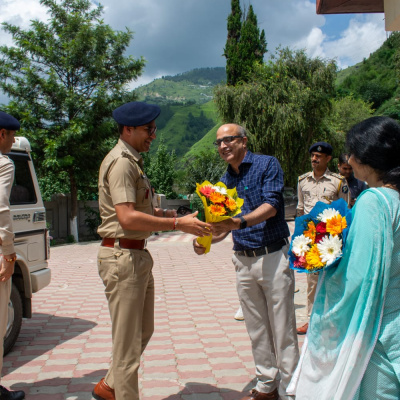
x=23, y=190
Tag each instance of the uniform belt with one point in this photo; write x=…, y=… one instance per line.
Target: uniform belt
x=124, y=243
x=261, y=251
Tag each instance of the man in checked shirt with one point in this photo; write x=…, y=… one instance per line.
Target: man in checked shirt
x=265, y=283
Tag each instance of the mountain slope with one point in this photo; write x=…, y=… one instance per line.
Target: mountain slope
x=195, y=86
x=187, y=125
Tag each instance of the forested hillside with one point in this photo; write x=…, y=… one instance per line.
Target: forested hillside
x=188, y=111
x=189, y=118
x=376, y=79
x=195, y=86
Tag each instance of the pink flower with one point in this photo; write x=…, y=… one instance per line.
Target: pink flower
x=300, y=261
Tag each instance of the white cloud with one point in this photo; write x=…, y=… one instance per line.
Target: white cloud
x=20, y=13
x=363, y=36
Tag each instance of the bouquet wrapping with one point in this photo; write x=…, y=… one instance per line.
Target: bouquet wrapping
x=219, y=203
x=319, y=237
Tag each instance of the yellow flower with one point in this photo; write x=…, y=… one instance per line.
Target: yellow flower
x=313, y=259
x=217, y=197
x=215, y=209
x=311, y=231
x=336, y=224
x=230, y=204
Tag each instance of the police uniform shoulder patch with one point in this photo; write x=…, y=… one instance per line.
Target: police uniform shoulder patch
x=345, y=189
x=301, y=177
x=342, y=178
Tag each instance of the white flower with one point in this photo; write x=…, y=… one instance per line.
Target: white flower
x=300, y=245
x=327, y=214
x=220, y=189
x=330, y=248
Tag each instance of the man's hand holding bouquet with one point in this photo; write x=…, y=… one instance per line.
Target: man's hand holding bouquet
x=319, y=237
x=219, y=203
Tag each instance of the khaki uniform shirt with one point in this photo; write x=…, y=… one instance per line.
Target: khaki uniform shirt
x=329, y=187
x=122, y=180
x=6, y=181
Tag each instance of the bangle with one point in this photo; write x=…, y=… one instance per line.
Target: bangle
x=175, y=223
x=164, y=212
x=12, y=259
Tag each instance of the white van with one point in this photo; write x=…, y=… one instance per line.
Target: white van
x=32, y=242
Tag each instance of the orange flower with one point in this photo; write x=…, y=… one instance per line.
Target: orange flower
x=311, y=231
x=313, y=259
x=336, y=224
x=230, y=204
x=216, y=209
x=216, y=197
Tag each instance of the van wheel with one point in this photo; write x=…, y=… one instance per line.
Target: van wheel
x=14, y=319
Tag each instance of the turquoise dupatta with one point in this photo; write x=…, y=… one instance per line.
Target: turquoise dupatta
x=348, y=308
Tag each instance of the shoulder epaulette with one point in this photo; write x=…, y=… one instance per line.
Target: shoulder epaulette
x=338, y=176
x=301, y=177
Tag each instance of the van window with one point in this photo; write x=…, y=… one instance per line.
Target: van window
x=23, y=190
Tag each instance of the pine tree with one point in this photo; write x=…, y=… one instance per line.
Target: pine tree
x=231, y=51
x=245, y=45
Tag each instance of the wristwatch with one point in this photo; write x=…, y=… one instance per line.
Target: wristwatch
x=243, y=223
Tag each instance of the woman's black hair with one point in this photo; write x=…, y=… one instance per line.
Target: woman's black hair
x=376, y=142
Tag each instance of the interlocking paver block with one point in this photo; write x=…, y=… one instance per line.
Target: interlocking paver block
x=198, y=350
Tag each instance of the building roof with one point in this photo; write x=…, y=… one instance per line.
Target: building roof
x=391, y=8
x=349, y=6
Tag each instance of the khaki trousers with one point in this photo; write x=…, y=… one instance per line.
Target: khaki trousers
x=266, y=291
x=5, y=292
x=129, y=288
x=312, y=281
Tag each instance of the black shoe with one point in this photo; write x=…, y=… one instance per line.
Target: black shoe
x=6, y=394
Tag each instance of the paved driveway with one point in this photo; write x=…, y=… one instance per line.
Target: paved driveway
x=198, y=350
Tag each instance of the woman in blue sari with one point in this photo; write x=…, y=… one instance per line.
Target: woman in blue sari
x=352, y=350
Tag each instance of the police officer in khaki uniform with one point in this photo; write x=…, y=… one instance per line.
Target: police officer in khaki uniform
x=125, y=265
x=8, y=126
x=318, y=185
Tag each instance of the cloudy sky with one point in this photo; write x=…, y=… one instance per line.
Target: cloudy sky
x=175, y=36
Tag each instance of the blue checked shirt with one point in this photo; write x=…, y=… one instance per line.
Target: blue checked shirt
x=259, y=181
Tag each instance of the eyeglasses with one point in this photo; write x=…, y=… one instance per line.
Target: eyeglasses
x=151, y=130
x=226, y=140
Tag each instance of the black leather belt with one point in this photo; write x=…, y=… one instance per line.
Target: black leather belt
x=261, y=251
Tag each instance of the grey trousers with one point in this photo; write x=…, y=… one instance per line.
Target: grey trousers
x=129, y=288
x=5, y=292
x=265, y=287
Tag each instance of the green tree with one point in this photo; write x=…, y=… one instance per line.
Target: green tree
x=245, y=45
x=283, y=107
x=64, y=77
x=161, y=171
x=346, y=112
x=252, y=45
x=232, y=43
x=206, y=165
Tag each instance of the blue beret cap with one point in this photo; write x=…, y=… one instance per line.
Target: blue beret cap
x=8, y=122
x=136, y=113
x=321, y=147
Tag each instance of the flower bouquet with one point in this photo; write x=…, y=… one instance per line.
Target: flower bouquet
x=219, y=203
x=319, y=237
